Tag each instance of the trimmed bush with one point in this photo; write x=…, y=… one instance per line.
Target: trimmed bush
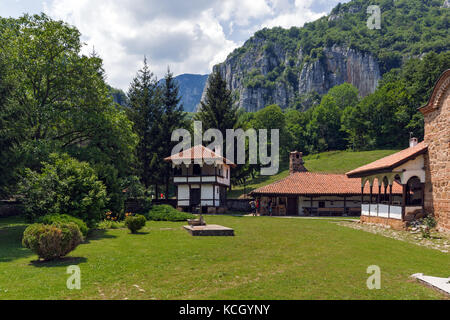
x=53, y=241
x=135, y=223
x=168, y=213
x=64, y=218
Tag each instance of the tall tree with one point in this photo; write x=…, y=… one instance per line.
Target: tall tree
x=173, y=118
x=60, y=102
x=146, y=111
x=218, y=110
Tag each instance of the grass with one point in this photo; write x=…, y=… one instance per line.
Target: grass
x=269, y=258
x=329, y=162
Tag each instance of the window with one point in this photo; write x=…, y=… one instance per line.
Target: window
x=321, y=204
x=177, y=171
x=197, y=170
x=227, y=172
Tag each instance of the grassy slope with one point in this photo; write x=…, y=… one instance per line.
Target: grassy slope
x=313, y=259
x=330, y=162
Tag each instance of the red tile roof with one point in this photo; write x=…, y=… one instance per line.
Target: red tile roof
x=388, y=163
x=308, y=183
x=199, y=152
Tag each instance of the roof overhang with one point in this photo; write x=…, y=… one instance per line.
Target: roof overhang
x=385, y=169
x=439, y=90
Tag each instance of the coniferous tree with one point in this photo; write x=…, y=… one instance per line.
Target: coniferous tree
x=173, y=118
x=218, y=110
x=146, y=111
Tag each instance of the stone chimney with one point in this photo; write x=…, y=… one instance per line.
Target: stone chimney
x=413, y=142
x=296, y=163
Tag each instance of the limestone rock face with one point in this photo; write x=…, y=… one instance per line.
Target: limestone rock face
x=298, y=77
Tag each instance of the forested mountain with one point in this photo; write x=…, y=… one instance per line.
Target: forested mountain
x=191, y=89
x=293, y=67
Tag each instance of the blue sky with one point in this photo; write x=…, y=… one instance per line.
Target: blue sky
x=189, y=36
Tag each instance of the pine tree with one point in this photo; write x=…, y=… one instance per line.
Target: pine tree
x=218, y=111
x=146, y=110
x=173, y=118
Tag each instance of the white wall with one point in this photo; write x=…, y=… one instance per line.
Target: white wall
x=183, y=193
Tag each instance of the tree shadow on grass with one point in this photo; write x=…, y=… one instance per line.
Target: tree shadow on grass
x=62, y=262
x=139, y=233
x=11, y=243
x=98, y=234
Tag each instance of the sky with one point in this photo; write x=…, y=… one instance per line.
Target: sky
x=189, y=36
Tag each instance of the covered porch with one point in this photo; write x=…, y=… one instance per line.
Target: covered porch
x=403, y=171
x=384, y=204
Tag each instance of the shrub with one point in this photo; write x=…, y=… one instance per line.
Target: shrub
x=167, y=213
x=53, y=241
x=64, y=185
x=135, y=223
x=428, y=223
x=64, y=218
x=109, y=224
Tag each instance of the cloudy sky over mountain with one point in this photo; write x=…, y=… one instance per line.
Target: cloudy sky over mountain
x=189, y=36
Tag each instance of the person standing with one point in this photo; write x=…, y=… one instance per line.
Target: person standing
x=269, y=207
x=253, y=207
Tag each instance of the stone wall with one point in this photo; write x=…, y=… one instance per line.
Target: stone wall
x=393, y=223
x=239, y=205
x=437, y=161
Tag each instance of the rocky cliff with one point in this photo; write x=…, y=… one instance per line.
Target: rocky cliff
x=283, y=66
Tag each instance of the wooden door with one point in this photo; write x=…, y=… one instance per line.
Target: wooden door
x=292, y=206
x=195, y=197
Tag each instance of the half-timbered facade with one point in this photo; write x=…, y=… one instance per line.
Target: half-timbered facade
x=201, y=177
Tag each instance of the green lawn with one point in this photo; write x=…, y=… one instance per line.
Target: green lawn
x=269, y=258
x=330, y=162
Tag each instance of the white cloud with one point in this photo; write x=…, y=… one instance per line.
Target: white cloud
x=189, y=36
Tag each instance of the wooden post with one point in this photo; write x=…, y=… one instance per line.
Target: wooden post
x=362, y=196
x=390, y=201
x=311, y=205
x=378, y=198
x=345, y=205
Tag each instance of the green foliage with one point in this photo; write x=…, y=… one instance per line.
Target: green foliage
x=409, y=28
x=53, y=241
x=109, y=224
x=58, y=100
x=173, y=118
x=146, y=112
x=135, y=223
x=218, y=111
x=64, y=218
x=168, y=213
x=64, y=185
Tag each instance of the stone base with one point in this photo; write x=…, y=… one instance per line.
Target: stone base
x=393, y=223
x=210, y=230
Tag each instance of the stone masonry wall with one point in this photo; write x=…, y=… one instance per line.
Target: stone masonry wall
x=437, y=161
x=393, y=223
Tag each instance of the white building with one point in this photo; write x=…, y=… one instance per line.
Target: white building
x=201, y=177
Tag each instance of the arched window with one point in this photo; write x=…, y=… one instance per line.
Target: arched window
x=414, y=192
